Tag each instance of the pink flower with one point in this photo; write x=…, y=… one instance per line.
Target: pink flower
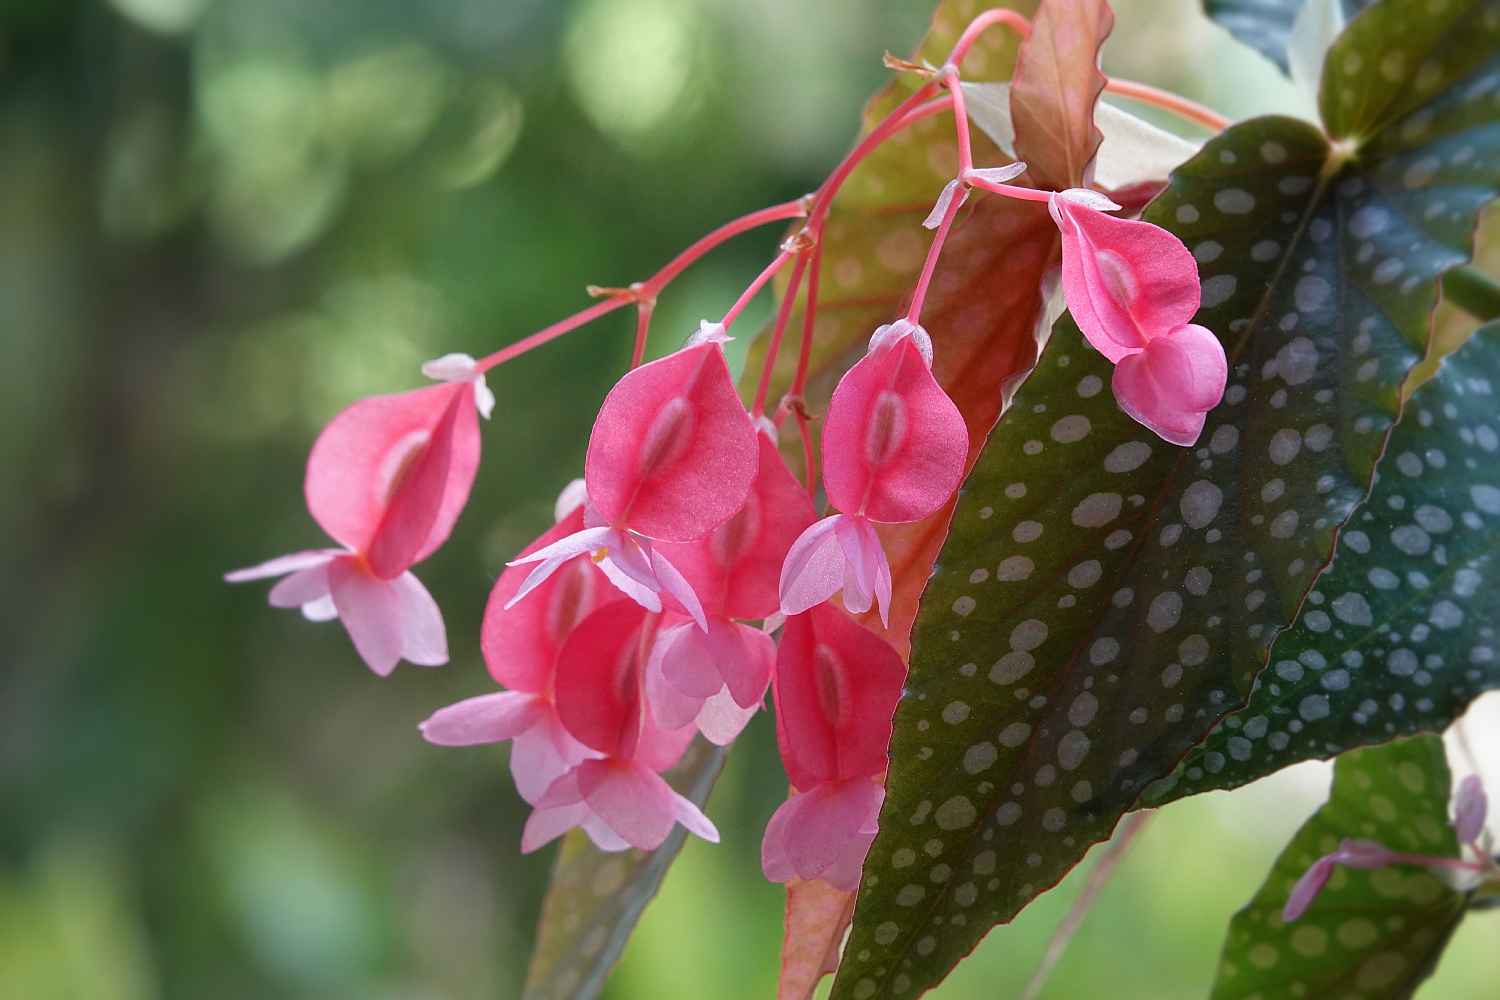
x=387, y=479
x=1362, y=854
x=672, y=456
x=1469, y=808
x=836, y=688
x=894, y=447
x=521, y=646
x=601, y=699
x=1133, y=289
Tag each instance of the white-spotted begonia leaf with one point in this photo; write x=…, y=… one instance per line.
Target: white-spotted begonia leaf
x=1104, y=598
x=1399, y=633
x=1266, y=25
x=1372, y=934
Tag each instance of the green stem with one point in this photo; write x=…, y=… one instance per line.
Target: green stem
x=1473, y=291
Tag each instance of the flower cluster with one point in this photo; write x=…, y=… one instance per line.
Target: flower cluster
x=650, y=613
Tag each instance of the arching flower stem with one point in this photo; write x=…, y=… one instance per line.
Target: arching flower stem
x=998, y=15
x=773, y=346
x=755, y=286
x=643, y=312
x=919, y=294
x=1168, y=101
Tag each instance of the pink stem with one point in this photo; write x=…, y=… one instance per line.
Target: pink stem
x=1009, y=190
x=643, y=310
x=976, y=28
x=1168, y=101
x=552, y=332
x=1422, y=859
x=755, y=286
x=804, y=358
x=773, y=347
x=788, y=210
x=889, y=126
x=960, y=122
x=919, y=295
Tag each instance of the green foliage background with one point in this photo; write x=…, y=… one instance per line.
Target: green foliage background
x=223, y=220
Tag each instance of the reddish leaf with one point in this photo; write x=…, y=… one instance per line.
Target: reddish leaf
x=817, y=915
x=1056, y=84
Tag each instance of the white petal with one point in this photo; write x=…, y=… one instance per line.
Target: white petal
x=282, y=565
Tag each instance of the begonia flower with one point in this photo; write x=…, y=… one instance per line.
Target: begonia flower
x=387, y=478
x=894, y=447
x=836, y=688
x=601, y=699
x=1133, y=290
x=671, y=457
x=1362, y=854
x=521, y=646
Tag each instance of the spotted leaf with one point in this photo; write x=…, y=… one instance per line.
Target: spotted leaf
x=596, y=897
x=1103, y=599
x=1398, y=634
x=1265, y=25
x=1369, y=934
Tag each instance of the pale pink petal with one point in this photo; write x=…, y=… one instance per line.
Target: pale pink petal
x=564, y=791
x=489, y=718
x=424, y=641
x=843, y=874
x=303, y=587
x=573, y=497
x=935, y=217
x=1363, y=854
x=321, y=610
x=674, y=583
x=773, y=860
x=1469, y=808
x=672, y=454
x=894, y=444
x=1307, y=888
x=545, y=825
x=721, y=720
x=599, y=832
x=371, y=611
x=999, y=175
x=690, y=816
x=631, y=799
x=670, y=708
x=1155, y=388
x=282, y=565
x=1206, y=357
x=630, y=587
x=554, y=555
x=814, y=567
x=535, y=759
x=868, y=571
x=824, y=821
x=687, y=660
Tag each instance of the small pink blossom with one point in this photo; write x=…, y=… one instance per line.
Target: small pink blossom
x=1361, y=854
x=1133, y=289
x=824, y=833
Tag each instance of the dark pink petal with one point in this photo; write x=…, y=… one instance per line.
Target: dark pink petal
x=599, y=683
x=894, y=444
x=632, y=800
x=661, y=748
x=303, y=587
x=746, y=658
x=836, y=687
x=735, y=568
x=1126, y=282
x=822, y=823
x=673, y=452
x=814, y=568
x=424, y=641
x=375, y=453
x=371, y=610
x=1307, y=888
x=1155, y=387
x=521, y=643
x=721, y=719
x=1469, y=808
x=282, y=565
x=489, y=718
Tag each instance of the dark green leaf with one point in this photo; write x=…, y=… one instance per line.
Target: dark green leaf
x=1104, y=598
x=596, y=897
x=1399, y=633
x=1265, y=25
x=1370, y=934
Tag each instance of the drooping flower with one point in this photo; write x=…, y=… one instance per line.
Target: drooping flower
x=601, y=699
x=387, y=478
x=521, y=647
x=894, y=447
x=671, y=457
x=836, y=688
x=1133, y=289
x=1363, y=854
x=734, y=570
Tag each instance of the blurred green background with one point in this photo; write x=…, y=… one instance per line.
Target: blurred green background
x=221, y=221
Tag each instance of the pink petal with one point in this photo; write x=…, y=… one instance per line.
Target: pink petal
x=1155, y=388
x=746, y=657
x=598, y=687
x=303, y=587
x=894, y=444
x=632, y=800
x=836, y=687
x=675, y=584
x=282, y=565
x=553, y=555
x=673, y=453
x=844, y=873
x=1126, y=282
x=823, y=822
x=372, y=459
x=670, y=708
x=721, y=720
x=1307, y=888
x=521, y=643
x=1469, y=808
x=599, y=832
x=542, y=754
x=1210, y=366
x=935, y=217
x=424, y=641
x=660, y=748
x=564, y=791
x=489, y=718
x=545, y=825
x=321, y=610
x=773, y=859
x=814, y=568
x=691, y=817
x=371, y=611
x=687, y=661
